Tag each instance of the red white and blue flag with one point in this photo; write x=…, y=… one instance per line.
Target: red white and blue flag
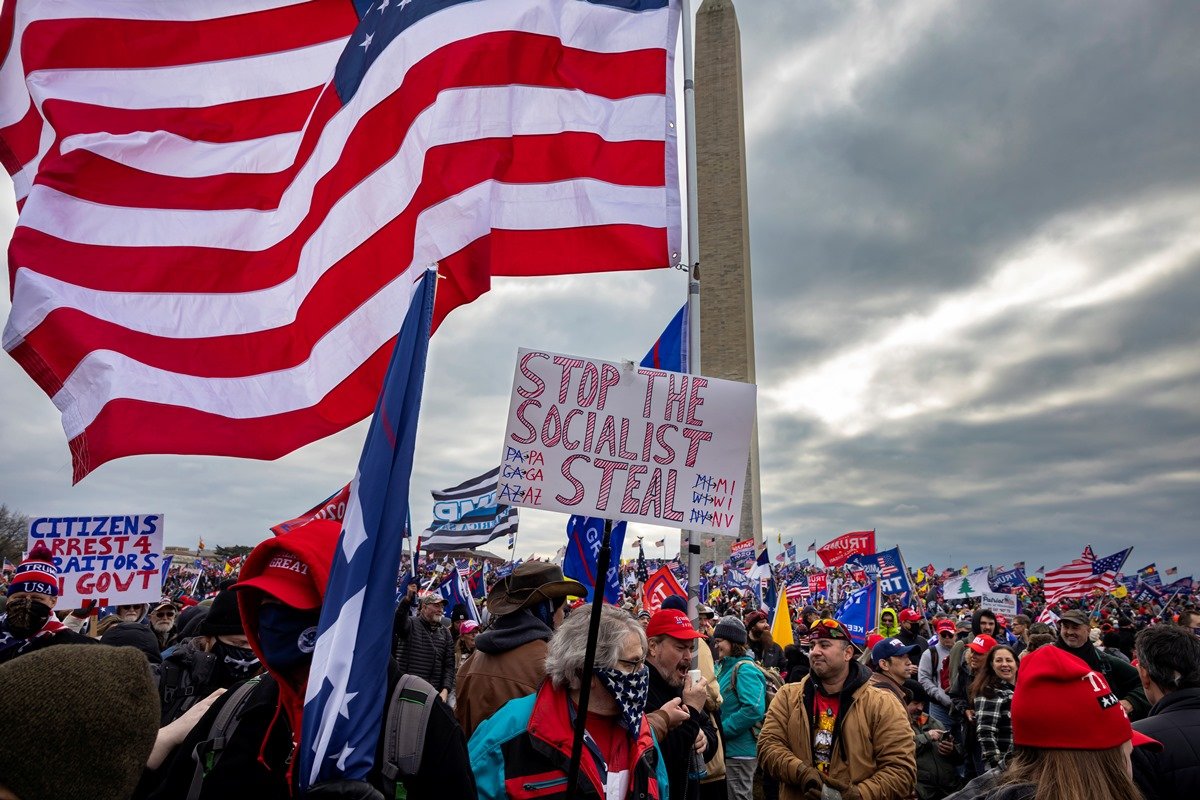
x=1085, y=575
x=347, y=683
x=222, y=217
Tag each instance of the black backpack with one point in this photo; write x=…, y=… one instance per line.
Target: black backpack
x=180, y=687
x=406, y=718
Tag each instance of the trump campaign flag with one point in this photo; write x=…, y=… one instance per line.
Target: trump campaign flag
x=223, y=206
x=892, y=572
x=661, y=585
x=584, y=535
x=332, y=507
x=835, y=552
x=347, y=683
x=859, y=611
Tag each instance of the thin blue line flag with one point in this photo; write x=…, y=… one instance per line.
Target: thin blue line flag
x=347, y=684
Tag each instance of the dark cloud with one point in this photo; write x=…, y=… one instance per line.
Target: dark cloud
x=976, y=263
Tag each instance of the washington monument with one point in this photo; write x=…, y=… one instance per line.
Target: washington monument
x=726, y=311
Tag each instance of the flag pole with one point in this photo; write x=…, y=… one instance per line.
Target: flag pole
x=693, y=304
x=589, y=662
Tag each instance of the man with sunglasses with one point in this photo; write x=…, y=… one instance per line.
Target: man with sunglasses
x=162, y=622
x=833, y=734
x=934, y=672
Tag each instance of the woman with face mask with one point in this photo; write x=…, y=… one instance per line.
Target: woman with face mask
x=524, y=749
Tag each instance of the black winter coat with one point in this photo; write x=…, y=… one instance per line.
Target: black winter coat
x=424, y=650
x=677, y=747
x=445, y=770
x=1175, y=772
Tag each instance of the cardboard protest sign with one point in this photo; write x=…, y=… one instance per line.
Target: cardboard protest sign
x=999, y=603
x=619, y=441
x=113, y=560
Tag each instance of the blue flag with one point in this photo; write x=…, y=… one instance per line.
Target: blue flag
x=858, y=613
x=583, y=545
x=1009, y=580
x=670, y=352
x=347, y=684
x=455, y=592
x=892, y=573
x=166, y=567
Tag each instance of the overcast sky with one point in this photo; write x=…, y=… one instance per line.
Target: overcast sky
x=976, y=263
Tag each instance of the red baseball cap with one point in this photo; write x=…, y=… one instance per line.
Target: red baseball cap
x=671, y=623
x=982, y=644
x=873, y=639
x=292, y=568
x=1062, y=704
x=945, y=625
x=908, y=615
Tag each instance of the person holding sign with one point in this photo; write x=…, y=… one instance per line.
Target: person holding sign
x=28, y=623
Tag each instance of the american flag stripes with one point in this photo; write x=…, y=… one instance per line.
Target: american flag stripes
x=1084, y=575
x=222, y=217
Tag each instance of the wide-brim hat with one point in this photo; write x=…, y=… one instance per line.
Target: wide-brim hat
x=530, y=584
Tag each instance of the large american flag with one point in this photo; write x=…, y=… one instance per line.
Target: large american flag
x=1084, y=575
x=224, y=206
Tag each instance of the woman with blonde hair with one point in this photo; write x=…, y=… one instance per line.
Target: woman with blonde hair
x=1072, y=740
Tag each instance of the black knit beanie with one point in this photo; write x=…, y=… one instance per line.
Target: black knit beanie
x=134, y=634
x=223, y=618
x=96, y=703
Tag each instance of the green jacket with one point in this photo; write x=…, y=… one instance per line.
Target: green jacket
x=936, y=774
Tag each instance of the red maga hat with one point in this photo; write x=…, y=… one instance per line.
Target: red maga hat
x=671, y=623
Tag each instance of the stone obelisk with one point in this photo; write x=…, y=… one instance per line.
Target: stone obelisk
x=726, y=311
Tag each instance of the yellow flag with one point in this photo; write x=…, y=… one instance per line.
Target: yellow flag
x=781, y=626
x=1120, y=591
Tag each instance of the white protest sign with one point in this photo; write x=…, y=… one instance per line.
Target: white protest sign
x=115, y=560
x=620, y=441
x=999, y=603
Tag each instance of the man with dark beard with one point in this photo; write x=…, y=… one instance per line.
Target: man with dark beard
x=835, y=735
x=766, y=652
x=27, y=623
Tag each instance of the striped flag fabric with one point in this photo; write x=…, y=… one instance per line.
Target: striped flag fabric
x=222, y=218
x=467, y=515
x=1083, y=576
x=797, y=591
x=347, y=683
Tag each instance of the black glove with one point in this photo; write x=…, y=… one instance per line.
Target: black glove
x=343, y=790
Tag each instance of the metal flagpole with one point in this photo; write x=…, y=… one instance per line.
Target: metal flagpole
x=589, y=660
x=693, y=255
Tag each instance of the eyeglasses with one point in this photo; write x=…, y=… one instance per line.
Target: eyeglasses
x=164, y=613
x=632, y=665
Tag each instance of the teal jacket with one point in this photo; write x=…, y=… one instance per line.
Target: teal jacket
x=523, y=750
x=743, y=710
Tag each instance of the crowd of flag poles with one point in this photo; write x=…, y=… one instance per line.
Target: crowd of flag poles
x=242, y=297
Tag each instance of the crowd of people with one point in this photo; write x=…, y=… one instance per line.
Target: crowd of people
x=206, y=699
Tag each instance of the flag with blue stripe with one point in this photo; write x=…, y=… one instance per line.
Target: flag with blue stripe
x=584, y=535
x=347, y=684
x=670, y=351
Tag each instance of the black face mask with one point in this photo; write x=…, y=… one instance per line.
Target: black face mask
x=287, y=636
x=234, y=663
x=26, y=616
